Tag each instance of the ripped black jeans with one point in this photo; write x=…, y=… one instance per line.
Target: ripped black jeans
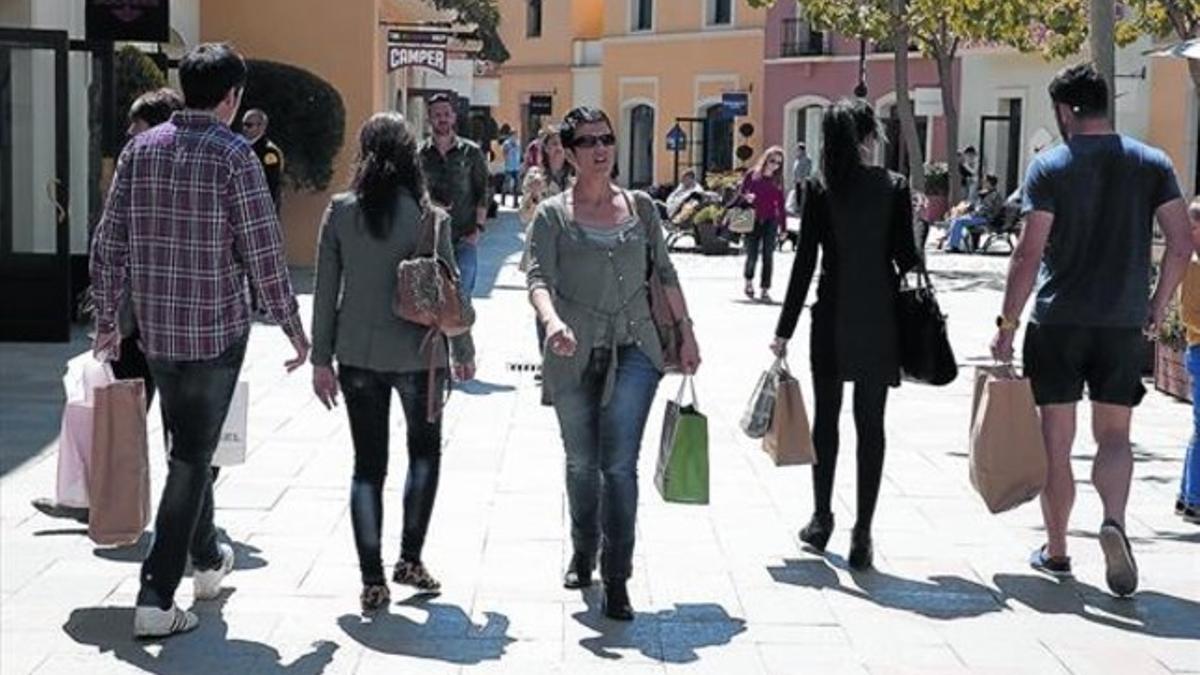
x=368, y=395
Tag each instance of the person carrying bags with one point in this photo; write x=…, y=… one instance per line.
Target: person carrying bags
x=860, y=217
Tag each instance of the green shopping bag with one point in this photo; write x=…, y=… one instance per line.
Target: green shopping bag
x=682, y=471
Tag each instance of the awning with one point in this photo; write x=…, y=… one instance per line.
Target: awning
x=1189, y=49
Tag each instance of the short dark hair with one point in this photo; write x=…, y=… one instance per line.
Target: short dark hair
x=207, y=72
x=578, y=117
x=1082, y=88
x=992, y=179
x=155, y=107
x=970, y=150
x=440, y=97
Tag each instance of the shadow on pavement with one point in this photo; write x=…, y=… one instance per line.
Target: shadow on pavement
x=1147, y=612
x=938, y=597
x=31, y=395
x=504, y=238
x=482, y=388
x=670, y=635
x=245, y=556
x=446, y=634
x=203, y=651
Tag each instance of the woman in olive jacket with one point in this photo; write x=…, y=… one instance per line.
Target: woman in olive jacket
x=367, y=232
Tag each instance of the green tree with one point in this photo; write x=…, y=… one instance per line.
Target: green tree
x=1159, y=18
x=485, y=14
x=135, y=73
x=939, y=28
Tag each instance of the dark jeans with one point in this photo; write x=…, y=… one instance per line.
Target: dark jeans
x=195, y=400
x=870, y=402
x=368, y=404
x=602, y=443
x=761, y=241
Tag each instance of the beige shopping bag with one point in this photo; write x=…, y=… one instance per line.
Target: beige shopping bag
x=1008, y=454
x=789, y=440
x=119, y=473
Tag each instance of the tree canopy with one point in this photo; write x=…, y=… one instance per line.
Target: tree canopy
x=486, y=15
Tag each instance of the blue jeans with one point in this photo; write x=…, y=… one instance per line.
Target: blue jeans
x=1189, y=490
x=466, y=255
x=368, y=403
x=194, y=396
x=958, y=230
x=602, y=443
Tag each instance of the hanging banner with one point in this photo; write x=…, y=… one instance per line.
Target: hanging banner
x=134, y=20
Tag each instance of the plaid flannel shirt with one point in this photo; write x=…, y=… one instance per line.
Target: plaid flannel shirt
x=189, y=219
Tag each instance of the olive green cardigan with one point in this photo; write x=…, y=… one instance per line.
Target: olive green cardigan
x=581, y=276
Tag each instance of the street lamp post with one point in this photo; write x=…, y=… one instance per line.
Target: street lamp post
x=860, y=89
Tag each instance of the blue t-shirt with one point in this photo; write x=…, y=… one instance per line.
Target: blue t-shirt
x=1103, y=191
x=512, y=155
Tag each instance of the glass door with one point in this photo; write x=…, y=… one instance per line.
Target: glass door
x=35, y=271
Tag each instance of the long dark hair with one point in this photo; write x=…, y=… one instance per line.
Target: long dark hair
x=845, y=126
x=387, y=163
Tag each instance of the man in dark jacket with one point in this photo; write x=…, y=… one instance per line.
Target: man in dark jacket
x=254, y=128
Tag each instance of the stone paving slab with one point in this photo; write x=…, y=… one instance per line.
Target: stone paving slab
x=722, y=588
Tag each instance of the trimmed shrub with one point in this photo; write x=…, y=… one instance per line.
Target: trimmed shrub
x=307, y=120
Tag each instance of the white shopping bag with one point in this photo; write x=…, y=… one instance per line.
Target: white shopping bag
x=84, y=375
x=231, y=450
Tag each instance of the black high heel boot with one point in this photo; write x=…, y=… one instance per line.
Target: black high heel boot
x=862, y=552
x=616, y=601
x=816, y=534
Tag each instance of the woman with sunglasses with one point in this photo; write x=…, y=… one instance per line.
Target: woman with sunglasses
x=762, y=187
x=590, y=252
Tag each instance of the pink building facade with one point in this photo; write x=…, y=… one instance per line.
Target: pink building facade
x=806, y=70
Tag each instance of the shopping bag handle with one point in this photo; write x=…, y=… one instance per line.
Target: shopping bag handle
x=687, y=382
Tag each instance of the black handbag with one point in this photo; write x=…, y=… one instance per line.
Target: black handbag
x=925, y=352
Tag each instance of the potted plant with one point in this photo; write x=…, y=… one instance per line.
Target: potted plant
x=937, y=191
x=1170, y=357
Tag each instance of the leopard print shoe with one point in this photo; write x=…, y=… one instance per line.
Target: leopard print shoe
x=375, y=597
x=412, y=573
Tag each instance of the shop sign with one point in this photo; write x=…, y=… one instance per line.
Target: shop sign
x=406, y=56
x=736, y=104
x=541, y=104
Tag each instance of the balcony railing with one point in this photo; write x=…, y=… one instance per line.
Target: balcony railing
x=799, y=39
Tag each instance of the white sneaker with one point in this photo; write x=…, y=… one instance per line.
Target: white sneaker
x=207, y=583
x=154, y=622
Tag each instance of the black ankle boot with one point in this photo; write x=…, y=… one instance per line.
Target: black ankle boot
x=816, y=534
x=862, y=552
x=616, y=601
x=579, y=572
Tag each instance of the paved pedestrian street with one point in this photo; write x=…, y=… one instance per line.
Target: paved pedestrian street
x=723, y=588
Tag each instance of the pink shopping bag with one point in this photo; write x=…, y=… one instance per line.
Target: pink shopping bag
x=84, y=374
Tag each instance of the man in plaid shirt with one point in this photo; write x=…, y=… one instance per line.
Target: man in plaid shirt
x=189, y=220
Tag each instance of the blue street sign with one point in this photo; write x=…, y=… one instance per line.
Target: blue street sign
x=676, y=139
x=736, y=104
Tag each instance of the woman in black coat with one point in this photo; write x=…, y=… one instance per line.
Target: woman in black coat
x=860, y=217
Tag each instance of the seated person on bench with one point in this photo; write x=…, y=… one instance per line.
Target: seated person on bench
x=688, y=189
x=987, y=209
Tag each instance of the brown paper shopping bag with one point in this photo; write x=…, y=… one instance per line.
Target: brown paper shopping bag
x=789, y=440
x=119, y=474
x=1008, y=454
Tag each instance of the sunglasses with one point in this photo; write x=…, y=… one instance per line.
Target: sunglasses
x=591, y=141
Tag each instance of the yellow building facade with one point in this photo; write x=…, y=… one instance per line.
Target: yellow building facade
x=1175, y=119
x=649, y=63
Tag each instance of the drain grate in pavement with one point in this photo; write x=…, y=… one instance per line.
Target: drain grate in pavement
x=523, y=367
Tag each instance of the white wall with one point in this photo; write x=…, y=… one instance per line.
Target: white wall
x=588, y=87
x=989, y=76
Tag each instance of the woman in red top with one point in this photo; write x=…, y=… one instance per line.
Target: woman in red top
x=763, y=189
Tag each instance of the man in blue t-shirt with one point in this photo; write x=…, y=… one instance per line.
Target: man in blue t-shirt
x=1089, y=207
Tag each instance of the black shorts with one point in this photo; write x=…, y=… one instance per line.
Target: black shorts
x=1059, y=360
